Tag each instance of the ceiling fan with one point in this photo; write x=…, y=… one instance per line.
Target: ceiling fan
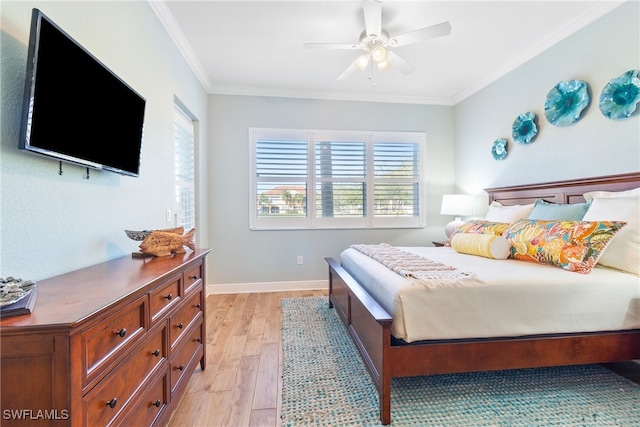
x=376, y=42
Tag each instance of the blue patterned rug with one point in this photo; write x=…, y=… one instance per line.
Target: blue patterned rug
x=326, y=384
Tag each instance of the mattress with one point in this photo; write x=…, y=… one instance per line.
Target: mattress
x=507, y=298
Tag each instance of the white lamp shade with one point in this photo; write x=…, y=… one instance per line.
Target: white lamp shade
x=458, y=205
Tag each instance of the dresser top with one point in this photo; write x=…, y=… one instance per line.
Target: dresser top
x=70, y=298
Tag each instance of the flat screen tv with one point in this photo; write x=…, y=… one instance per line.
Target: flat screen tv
x=75, y=109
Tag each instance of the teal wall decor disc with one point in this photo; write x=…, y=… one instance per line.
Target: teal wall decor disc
x=524, y=129
x=566, y=101
x=620, y=96
x=499, y=149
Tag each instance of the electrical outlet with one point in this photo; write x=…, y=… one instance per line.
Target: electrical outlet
x=300, y=260
x=169, y=215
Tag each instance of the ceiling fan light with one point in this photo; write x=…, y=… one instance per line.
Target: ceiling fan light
x=384, y=66
x=379, y=53
x=361, y=62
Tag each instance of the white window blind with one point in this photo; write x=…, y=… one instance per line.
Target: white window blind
x=336, y=179
x=184, y=169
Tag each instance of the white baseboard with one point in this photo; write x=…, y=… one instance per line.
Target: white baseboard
x=240, y=288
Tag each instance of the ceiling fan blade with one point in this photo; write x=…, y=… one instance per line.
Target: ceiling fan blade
x=372, y=16
x=350, y=69
x=397, y=61
x=438, y=30
x=348, y=46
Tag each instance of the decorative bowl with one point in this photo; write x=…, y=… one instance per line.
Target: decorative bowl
x=13, y=290
x=137, y=235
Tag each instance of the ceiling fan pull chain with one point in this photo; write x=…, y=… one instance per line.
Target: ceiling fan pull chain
x=372, y=74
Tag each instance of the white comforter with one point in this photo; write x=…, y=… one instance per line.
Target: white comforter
x=515, y=298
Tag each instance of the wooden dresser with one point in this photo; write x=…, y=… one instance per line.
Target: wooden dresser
x=109, y=344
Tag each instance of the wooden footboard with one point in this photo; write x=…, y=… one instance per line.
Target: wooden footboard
x=369, y=326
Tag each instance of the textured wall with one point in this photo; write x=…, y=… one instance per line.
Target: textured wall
x=593, y=146
x=52, y=224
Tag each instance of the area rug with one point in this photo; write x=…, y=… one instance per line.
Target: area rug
x=325, y=383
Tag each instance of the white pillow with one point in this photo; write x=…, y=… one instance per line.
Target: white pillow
x=623, y=252
x=612, y=194
x=500, y=213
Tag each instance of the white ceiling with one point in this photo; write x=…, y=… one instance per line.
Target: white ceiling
x=256, y=47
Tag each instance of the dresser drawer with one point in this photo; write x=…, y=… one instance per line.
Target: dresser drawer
x=193, y=277
x=154, y=400
x=116, y=390
x=115, y=333
x=183, y=360
x=164, y=297
x=182, y=319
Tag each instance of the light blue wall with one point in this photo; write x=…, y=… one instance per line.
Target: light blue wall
x=241, y=255
x=52, y=224
x=459, y=150
x=593, y=146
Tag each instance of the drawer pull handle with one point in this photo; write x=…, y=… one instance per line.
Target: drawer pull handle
x=194, y=277
x=181, y=368
x=122, y=332
x=198, y=339
x=156, y=353
x=180, y=326
x=157, y=403
x=112, y=403
x=169, y=297
x=197, y=305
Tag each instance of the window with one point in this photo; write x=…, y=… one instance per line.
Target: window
x=184, y=169
x=336, y=179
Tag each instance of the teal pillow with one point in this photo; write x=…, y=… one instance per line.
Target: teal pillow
x=558, y=212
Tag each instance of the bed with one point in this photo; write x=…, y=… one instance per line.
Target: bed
x=370, y=324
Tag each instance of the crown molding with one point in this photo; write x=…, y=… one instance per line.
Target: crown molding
x=165, y=16
x=576, y=24
x=326, y=95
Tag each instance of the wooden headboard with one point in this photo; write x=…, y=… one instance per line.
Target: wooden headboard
x=568, y=191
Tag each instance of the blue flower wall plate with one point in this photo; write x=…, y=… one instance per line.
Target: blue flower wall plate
x=524, y=129
x=620, y=96
x=566, y=101
x=499, y=149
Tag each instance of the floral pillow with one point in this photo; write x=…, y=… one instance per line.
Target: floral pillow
x=571, y=245
x=480, y=226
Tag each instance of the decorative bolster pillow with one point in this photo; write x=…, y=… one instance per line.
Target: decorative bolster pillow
x=486, y=245
x=480, y=226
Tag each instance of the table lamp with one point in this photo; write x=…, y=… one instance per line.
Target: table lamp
x=458, y=205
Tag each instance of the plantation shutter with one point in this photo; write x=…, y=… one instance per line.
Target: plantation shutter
x=340, y=179
x=321, y=179
x=184, y=169
x=397, y=179
x=281, y=177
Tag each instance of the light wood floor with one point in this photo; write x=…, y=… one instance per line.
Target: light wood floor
x=241, y=385
x=242, y=382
